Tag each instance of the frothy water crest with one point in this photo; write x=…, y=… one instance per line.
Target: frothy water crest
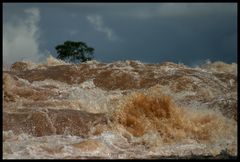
x=125, y=109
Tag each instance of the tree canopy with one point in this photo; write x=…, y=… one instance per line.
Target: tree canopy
x=74, y=51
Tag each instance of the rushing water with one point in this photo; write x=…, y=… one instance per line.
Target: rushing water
x=125, y=109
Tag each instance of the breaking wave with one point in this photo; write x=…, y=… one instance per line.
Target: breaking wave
x=29, y=65
x=124, y=109
x=141, y=113
x=221, y=67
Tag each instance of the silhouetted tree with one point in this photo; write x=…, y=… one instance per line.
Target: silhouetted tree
x=74, y=51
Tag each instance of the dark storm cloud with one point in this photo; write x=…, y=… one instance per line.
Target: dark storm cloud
x=148, y=32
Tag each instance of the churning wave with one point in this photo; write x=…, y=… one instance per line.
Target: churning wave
x=124, y=109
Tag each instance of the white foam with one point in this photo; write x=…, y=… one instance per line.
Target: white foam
x=51, y=61
x=90, y=98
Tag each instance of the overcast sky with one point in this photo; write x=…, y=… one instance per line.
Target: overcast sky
x=150, y=32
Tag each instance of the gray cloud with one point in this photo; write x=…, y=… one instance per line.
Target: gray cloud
x=73, y=32
x=20, y=37
x=180, y=10
x=99, y=25
x=151, y=32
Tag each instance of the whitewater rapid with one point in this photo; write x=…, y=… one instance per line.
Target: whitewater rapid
x=121, y=110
